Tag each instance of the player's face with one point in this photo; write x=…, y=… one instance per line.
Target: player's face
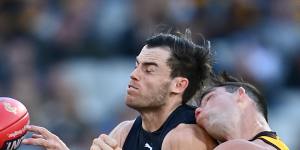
x=150, y=80
x=218, y=112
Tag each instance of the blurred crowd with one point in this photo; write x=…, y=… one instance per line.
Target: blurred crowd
x=69, y=61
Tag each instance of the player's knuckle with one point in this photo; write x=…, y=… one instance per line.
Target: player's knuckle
x=42, y=129
x=95, y=141
x=102, y=136
x=46, y=144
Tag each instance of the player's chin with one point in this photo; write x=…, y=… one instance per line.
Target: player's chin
x=130, y=99
x=131, y=102
x=136, y=105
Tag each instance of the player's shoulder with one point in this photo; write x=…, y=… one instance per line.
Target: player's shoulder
x=186, y=129
x=126, y=124
x=190, y=130
x=238, y=144
x=122, y=127
x=121, y=131
x=188, y=136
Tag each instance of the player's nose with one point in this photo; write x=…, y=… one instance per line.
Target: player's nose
x=134, y=74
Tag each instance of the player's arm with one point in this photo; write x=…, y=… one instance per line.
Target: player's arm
x=239, y=144
x=188, y=136
x=116, y=138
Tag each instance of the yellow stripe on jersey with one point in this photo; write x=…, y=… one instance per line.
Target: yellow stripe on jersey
x=276, y=141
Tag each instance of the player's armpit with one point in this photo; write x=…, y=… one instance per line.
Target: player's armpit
x=188, y=136
x=120, y=132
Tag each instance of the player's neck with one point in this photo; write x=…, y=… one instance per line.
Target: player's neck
x=247, y=126
x=252, y=124
x=153, y=120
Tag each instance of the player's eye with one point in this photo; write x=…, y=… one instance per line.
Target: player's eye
x=149, y=69
x=210, y=96
x=207, y=98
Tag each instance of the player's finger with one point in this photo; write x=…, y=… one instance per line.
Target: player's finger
x=40, y=130
x=37, y=142
x=109, y=141
x=36, y=136
x=101, y=144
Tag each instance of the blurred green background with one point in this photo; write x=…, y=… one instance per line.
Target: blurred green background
x=69, y=61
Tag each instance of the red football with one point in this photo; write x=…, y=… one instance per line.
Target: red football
x=13, y=118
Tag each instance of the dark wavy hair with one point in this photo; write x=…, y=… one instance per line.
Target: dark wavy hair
x=187, y=59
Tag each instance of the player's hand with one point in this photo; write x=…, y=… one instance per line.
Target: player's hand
x=104, y=142
x=44, y=138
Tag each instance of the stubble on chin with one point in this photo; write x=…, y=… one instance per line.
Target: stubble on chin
x=152, y=101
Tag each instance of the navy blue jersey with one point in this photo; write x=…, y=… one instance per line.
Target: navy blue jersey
x=139, y=139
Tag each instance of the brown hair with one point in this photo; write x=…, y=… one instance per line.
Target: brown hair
x=187, y=59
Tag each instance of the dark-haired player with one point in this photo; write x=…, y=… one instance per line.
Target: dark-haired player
x=235, y=113
x=169, y=70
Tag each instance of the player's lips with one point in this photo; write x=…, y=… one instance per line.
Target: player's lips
x=132, y=90
x=130, y=86
x=197, y=113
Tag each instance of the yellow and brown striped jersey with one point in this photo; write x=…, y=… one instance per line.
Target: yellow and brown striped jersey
x=272, y=139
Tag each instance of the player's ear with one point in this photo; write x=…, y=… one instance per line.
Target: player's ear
x=179, y=84
x=241, y=93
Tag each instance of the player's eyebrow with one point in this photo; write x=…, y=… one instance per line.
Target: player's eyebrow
x=147, y=63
